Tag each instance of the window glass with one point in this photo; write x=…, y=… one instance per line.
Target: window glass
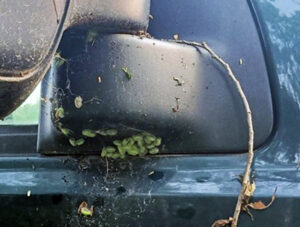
x=28, y=113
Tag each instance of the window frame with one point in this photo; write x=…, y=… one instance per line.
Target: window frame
x=18, y=139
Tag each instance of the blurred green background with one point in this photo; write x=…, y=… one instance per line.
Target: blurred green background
x=28, y=113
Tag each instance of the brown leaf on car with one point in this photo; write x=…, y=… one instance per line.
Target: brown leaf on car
x=222, y=222
x=257, y=205
x=260, y=205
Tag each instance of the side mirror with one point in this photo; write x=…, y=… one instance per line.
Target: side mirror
x=31, y=31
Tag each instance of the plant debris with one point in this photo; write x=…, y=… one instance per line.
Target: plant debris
x=241, y=61
x=222, y=222
x=55, y=9
x=78, y=102
x=151, y=173
x=127, y=73
x=143, y=34
x=176, y=37
x=249, y=189
x=84, y=210
x=58, y=60
x=176, y=109
x=259, y=205
x=91, y=36
x=246, y=177
x=178, y=81
x=137, y=145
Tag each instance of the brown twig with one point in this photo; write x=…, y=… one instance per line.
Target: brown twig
x=54, y=4
x=247, y=171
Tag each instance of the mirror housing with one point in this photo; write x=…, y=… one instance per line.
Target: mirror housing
x=31, y=31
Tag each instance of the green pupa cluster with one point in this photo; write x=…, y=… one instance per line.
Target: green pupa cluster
x=137, y=145
x=58, y=114
x=102, y=132
x=68, y=133
x=86, y=133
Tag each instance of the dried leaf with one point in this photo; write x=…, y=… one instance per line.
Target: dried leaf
x=250, y=188
x=260, y=205
x=222, y=222
x=257, y=205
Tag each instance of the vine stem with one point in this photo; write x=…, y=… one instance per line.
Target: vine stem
x=247, y=171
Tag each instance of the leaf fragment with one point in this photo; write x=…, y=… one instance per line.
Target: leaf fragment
x=84, y=210
x=127, y=73
x=259, y=205
x=58, y=60
x=222, y=222
x=178, y=81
